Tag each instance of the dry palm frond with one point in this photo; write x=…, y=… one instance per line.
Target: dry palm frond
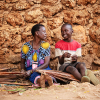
x=59, y=75
x=14, y=78
x=4, y=69
x=22, y=84
x=7, y=73
x=7, y=69
x=7, y=80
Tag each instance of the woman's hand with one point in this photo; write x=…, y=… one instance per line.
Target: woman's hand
x=23, y=72
x=28, y=73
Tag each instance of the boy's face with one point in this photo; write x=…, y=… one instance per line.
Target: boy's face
x=66, y=32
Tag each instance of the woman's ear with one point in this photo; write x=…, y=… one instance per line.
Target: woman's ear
x=36, y=33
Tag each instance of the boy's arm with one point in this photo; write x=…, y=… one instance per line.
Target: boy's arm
x=77, y=54
x=58, y=54
x=61, y=59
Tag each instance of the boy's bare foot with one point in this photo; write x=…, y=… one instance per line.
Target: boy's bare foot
x=49, y=80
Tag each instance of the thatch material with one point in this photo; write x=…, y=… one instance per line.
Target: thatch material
x=10, y=77
x=7, y=80
x=22, y=84
x=59, y=75
x=7, y=73
x=6, y=69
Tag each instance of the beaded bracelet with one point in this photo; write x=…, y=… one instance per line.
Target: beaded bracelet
x=31, y=71
x=22, y=70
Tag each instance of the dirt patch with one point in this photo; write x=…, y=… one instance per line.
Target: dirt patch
x=72, y=91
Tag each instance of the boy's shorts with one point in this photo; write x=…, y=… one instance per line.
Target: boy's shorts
x=65, y=65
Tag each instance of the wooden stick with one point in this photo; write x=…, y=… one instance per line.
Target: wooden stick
x=4, y=73
x=7, y=80
x=14, y=76
x=33, y=86
x=22, y=84
x=6, y=69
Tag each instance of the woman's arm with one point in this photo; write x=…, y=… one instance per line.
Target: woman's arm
x=43, y=66
x=23, y=64
x=23, y=70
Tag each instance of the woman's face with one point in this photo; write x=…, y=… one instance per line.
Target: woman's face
x=42, y=33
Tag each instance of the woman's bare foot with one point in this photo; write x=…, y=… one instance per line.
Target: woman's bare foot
x=42, y=81
x=49, y=80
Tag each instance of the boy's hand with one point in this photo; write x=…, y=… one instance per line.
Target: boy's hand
x=66, y=55
x=74, y=58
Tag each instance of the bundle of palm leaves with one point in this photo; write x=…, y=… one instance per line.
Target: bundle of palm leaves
x=59, y=75
x=7, y=77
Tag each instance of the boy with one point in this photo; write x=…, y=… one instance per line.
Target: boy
x=68, y=51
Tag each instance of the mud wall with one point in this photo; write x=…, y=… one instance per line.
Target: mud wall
x=18, y=16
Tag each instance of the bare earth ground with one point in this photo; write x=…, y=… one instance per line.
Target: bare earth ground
x=72, y=91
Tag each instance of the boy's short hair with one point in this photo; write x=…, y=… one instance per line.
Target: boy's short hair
x=68, y=25
x=36, y=28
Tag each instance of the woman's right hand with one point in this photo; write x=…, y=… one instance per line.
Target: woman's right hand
x=26, y=73
x=23, y=72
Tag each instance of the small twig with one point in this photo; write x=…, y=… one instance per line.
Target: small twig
x=5, y=73
x=6, y=80
x=22, y=84
x=6, y=69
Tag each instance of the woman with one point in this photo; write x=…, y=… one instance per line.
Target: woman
x=35, y=55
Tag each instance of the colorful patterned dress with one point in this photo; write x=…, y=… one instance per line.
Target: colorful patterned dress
x=28, y=53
